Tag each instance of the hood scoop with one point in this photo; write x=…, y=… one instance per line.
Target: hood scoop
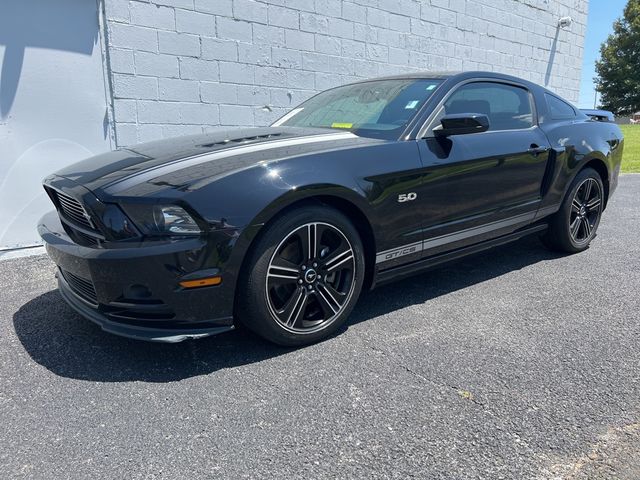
x=229, y=141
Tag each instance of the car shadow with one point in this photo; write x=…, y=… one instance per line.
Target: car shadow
x=70, y=346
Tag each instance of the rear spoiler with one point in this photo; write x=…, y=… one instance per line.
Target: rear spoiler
x=599, y=115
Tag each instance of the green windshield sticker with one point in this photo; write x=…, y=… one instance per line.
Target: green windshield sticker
x=412, y=104
x=430, y=87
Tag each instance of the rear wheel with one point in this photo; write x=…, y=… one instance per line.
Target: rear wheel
x=304, y=277
x=574, y=226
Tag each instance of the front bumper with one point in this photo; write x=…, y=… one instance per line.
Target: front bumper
x=134, y=291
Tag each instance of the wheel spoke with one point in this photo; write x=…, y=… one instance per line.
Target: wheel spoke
x=278, y=279
x=593, y=204
x=283, y=264
x=293, y=310
x=587, y=190
x=282, y=271
x=339, y=257
x=574, y=227
x=576, y=205
x=326, y=303
x=309, y=241
x=586, y=227
x=332, y=294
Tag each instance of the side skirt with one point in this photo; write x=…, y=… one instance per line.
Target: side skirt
x=420, y=266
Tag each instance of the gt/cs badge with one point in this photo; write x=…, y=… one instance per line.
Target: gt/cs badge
x=407, y=197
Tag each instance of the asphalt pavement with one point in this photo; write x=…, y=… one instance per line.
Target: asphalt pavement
x=517, y=363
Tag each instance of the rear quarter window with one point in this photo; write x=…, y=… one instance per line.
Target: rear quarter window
x=559, y=109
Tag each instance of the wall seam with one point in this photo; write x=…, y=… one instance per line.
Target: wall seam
x=106, y=72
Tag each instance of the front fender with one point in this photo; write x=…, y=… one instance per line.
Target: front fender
x=271, y=189
x=357, y=180
x=355, y=197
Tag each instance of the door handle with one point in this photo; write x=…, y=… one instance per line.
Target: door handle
x=537, y=150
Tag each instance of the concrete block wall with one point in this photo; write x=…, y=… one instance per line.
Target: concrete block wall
x=187, y=66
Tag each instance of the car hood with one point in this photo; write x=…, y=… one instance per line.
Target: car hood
x=179, y=162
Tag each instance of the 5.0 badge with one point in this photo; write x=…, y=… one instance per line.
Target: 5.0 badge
x=407, y=197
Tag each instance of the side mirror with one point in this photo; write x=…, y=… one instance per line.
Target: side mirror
x=462, y=124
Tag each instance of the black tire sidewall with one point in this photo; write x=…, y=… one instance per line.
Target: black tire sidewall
x=251, y=303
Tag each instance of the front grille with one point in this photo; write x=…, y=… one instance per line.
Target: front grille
x=73, y=210
x=81, y=287
x=75, y=219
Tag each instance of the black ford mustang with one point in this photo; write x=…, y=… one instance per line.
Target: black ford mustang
x=281, y=228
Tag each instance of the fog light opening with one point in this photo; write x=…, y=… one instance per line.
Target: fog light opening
x=137, y=292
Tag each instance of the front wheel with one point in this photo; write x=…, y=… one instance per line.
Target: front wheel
x=303, y=278
x=574, y=226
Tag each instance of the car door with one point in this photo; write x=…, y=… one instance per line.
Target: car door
x=482, y=185
x=390, y=175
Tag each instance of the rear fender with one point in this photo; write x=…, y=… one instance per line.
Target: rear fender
x=576, y=145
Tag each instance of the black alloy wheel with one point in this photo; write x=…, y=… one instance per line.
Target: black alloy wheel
x=574, y=226
x=586, y=208
x=310, y=277
x=305, y=277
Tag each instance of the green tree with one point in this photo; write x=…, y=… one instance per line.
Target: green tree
x=618, y=69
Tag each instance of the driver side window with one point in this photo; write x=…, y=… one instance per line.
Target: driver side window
x=508, y=107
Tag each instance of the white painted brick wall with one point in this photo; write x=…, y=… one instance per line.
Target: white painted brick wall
x=187, y=66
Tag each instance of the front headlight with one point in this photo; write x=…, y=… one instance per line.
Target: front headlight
x=174, y=219
x=163, y=220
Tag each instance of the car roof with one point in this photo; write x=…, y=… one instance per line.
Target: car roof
x=456, y=75
x=428, y=75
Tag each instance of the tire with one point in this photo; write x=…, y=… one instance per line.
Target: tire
x=303, y=277
x=574, y=226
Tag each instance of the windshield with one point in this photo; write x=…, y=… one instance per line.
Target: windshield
x=380, y=108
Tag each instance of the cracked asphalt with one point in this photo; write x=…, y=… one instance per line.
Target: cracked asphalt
x=517, y=363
